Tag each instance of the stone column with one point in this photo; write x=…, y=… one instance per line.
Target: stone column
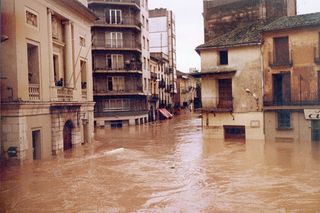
x=69, y=81
x=50, y=52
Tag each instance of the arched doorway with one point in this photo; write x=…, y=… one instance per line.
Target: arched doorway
x=67, y=135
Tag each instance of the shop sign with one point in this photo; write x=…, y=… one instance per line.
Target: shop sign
x=312, y=114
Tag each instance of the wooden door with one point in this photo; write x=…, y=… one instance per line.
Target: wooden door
x=67, y=135
x=225, y=93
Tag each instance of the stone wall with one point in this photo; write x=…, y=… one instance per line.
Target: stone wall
x=59, y=117
x=222, y=17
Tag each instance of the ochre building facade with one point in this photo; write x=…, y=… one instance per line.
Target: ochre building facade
x=46, y=77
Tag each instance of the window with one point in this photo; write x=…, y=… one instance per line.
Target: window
x=145, y=83
x=114, y=17
x=148, y=45
x=144, y=42
x=284, y=119
x=118, y=83
x=83, y=69
x=82, y=41
x=33, y=63
x=114, y=39
x=117, y=105
x=31, y=18
x=281, y=51
x=144, y=63
x=55, y=31
x=223, y=57
x=147, y=25
x=109, y=84
x=56, y=70
x=117, y=61
x=143, y=20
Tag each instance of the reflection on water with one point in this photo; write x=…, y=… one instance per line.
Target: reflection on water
x=172, y=166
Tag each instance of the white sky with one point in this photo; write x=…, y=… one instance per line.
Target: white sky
x=189, y=26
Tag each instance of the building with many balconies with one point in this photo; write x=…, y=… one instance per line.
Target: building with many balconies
x=46, y=77
x=163, y=40
x=120, y=52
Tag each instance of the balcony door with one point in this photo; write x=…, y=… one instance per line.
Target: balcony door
x=114, y=17
x=114, y=39
x=281, y=47
x=117, y=62
x=225, y=93
x=281, y=88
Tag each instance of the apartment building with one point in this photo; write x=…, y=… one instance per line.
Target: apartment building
x=186, y=90
x=163, y=40
x=121, y=58
x=227, y=15
x=46, y=77
x=292, y=79
x=231, y=84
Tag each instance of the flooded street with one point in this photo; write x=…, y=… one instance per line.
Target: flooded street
x=170, y=166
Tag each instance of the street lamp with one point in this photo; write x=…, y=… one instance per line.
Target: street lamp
x=254, y=96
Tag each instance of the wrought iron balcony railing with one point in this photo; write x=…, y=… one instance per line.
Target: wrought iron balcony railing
x=218, y=104
x=133, y=66
x=135, y=2
x=277, y=62
x=116, y=43
x=124, y=21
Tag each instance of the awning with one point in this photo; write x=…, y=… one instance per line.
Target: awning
x=165, y=113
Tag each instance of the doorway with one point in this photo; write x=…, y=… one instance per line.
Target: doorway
x=67, y=135
x=36, y=144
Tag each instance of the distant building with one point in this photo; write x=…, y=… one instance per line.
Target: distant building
x=222, y=16
x=160, y=78
x=46, y=77
x=291, y=53
x=231, y=84
x=186, y=90
x=121, y=59
x=163, y=40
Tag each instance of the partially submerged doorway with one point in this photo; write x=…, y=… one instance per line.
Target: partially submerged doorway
x=67, y=135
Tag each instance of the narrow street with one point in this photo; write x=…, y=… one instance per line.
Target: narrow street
x=169, y=166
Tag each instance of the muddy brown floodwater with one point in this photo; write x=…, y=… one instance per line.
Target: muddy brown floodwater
x=170, y=166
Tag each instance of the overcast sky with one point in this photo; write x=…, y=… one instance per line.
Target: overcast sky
x=189, y=26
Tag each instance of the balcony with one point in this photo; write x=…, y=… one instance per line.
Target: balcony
x=65, y=94
x=167, y=70
x=280, y=103
x=34, y=92
x=154, y=75
x=217, y=104
x=133, y=67
x=133, y=3
x=117, y=113
x=317, y=56
x=113, y=44
x=162, y=84
x=124, y=92
x=283, y=62
x=126, y=22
